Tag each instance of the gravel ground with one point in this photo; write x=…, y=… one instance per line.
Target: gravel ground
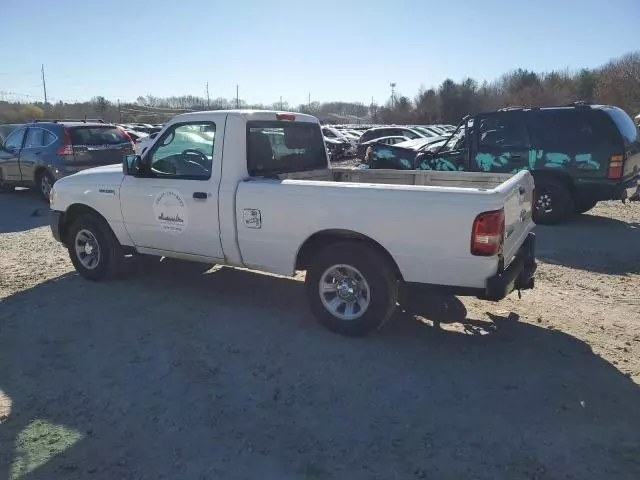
x=175, y=374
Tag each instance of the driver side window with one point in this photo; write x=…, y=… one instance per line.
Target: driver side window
x=185, y=151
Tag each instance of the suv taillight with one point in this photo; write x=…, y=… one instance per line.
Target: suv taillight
x=66, y=148
x=487, y=236
x=615, y=167
x=127, y=136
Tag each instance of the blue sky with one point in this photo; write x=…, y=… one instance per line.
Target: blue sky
x=336, y=50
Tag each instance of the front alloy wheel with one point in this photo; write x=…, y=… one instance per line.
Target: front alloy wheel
x=87, y=249
x=94, y=250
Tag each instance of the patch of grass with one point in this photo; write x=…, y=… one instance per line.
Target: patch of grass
x=38, y=443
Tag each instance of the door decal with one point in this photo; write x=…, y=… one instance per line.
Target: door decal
x=171, y=211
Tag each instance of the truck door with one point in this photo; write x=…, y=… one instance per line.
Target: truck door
x=173, y=206
x=10, y=156
x=500, y=143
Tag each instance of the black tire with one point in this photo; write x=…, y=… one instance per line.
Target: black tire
x=110, y=253
x=378, y=274
x=44, y=182
x=583, y=205
x=553, y=202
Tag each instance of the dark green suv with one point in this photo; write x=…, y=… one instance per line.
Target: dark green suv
x=578, y=155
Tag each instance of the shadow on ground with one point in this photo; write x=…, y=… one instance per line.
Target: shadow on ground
x=592, y=242
x=226, y=375
x=22, y=210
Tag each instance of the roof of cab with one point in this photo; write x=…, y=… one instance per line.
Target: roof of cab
x=248, y=115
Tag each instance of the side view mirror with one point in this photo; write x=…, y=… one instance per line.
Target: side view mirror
x=133, y=165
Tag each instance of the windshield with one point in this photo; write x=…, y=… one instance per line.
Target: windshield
x=457, y=141
x=94, y=136
x=279, y=147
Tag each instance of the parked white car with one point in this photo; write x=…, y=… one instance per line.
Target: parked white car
x=365, y=237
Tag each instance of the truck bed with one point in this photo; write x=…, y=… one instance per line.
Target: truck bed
x=432, y=178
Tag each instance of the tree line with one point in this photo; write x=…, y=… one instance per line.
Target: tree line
x=616, y=83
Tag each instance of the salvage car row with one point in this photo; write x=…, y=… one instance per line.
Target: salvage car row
x=578, y=154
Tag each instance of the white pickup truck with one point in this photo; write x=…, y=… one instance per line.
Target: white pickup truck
x=254, y=189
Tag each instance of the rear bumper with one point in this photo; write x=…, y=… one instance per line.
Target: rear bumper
x=519, y=275
x=622, y=190
x=628, y=188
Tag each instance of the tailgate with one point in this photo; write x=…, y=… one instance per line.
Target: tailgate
x=99, y=145
x=518, y=205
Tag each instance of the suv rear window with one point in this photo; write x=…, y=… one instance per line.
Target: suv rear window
x=279, y=147
x=627, y=128
x=97, y=136
x=562, y=131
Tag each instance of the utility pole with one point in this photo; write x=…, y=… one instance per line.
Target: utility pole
x=119, y=111
x=309, y=102
x=44, y=86
x=280, y=102
x=237, y=97
x=208, y=99
x=393, y=94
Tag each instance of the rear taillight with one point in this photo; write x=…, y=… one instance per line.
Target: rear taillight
x=66, y=148
x=127, y=136
x=487, y=235
x=615, y=167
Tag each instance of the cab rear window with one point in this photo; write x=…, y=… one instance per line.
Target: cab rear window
x=97, y=136
x=280, y=147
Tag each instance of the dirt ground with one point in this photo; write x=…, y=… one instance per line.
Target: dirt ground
x=175, y=374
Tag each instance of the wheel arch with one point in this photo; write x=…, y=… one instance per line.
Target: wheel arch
x=324, y=238
x=559, y=175
x=73, y=212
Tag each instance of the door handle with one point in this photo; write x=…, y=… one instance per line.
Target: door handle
x=200, y=195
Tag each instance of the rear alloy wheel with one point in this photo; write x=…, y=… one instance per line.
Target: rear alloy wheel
x=553, y=202
x=344, y=292
x=352, y=289
x=45, y=184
